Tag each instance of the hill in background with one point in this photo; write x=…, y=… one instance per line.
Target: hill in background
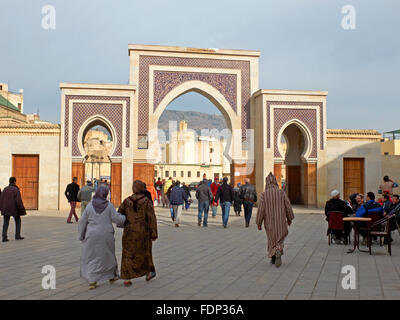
x=196, y=120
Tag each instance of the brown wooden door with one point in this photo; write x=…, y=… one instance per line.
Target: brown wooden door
x=143, y=172
x=25, y=168
x=353, y=176
x=78, y=170
x=294, y=184
x=116, y=177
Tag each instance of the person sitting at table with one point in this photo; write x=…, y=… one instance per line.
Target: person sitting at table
x=336, y=204
x=394, y=209
x=370, y=206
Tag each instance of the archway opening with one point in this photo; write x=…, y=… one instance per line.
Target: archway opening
x=292, y=146
x=98, y=145
x=197, y=146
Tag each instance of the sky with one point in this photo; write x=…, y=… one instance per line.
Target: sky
x=303, y=46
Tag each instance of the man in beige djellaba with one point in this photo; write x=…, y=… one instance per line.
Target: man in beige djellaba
x=275, y=211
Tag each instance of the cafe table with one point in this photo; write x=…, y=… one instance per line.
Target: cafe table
x=356, y=227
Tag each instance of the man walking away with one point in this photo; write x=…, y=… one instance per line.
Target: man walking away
x=204, y=197
x=225, y=196
x=71, y=192
x=214, y=204
x=11, y=206
x=85, y=195
x=166, y=186
x=186, y=188
x=248, y=194
x=177, y=199
x=275, y=211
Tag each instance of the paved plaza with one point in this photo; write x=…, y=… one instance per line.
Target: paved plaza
x=201, y=263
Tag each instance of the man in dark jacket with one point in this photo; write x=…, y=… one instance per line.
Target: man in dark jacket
x=204, y=197
x=177, y=199
x=248, y=194
x=394, y=209
x=71, y=192
x=11, y=206
x=336, y=204
x=225, y=196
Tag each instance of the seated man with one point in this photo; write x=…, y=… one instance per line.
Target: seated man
x=336, y=204
x=370, y=206
x=394, y=209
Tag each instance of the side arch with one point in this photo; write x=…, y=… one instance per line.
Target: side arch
x=308, y=143
x=89, y=124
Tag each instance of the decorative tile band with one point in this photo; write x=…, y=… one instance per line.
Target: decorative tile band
x=143, y=83
x=307, y=116
x=294, y=103
x=165, y=81
x=96, y=98
x=83, y=111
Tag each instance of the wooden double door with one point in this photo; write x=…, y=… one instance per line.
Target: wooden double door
x=293, y=184
x=25, y=168
x=78, y=170
x=353, y=176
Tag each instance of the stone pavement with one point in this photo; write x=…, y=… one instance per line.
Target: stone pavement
x=201, y=263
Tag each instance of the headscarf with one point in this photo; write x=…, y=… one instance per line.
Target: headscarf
x=270, y=181
x=100, y=201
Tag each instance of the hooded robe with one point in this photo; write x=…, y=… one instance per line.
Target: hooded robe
x=275, y=211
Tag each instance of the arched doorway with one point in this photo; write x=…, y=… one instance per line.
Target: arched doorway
x=97, y=142
x=193, y=139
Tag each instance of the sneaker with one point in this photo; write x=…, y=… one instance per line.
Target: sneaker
x=69, y=222
x=19, y=238
x=5, y=240
x=225, y=226
x=199, y=223
x=278, y=259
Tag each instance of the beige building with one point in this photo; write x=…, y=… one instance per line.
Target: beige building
x=187, y=157
x=312, y=161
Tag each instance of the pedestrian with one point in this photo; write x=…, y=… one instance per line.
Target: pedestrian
x=204, y=197
x=177, y=198
x=225, y=196
x=159, y=186
x=71, y=192
x=189, y=196
x=11, y=205
x=275, y=211
x=96, y=232
x=248, y=195
x=153, y=193
x=237, y=201
x=166, y=187
x=139, y=232
x=387, y=186
x=85, y=195
x=163, y=196
x=214, y=204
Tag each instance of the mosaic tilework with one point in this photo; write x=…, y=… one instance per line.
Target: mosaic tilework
x=96, y=98
x=143, y=90
x=307, y=116
x=321, y=117
x=165, y=81
x=83, y=111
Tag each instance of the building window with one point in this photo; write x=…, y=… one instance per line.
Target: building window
x=19, y=106
x=167, y=174
x=198, y=174
x=189, y=174
x=155, y=173
x=174, y=174
x=182, y=174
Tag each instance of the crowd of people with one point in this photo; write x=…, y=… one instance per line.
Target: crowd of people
x=209, y=194
x=359, y=205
